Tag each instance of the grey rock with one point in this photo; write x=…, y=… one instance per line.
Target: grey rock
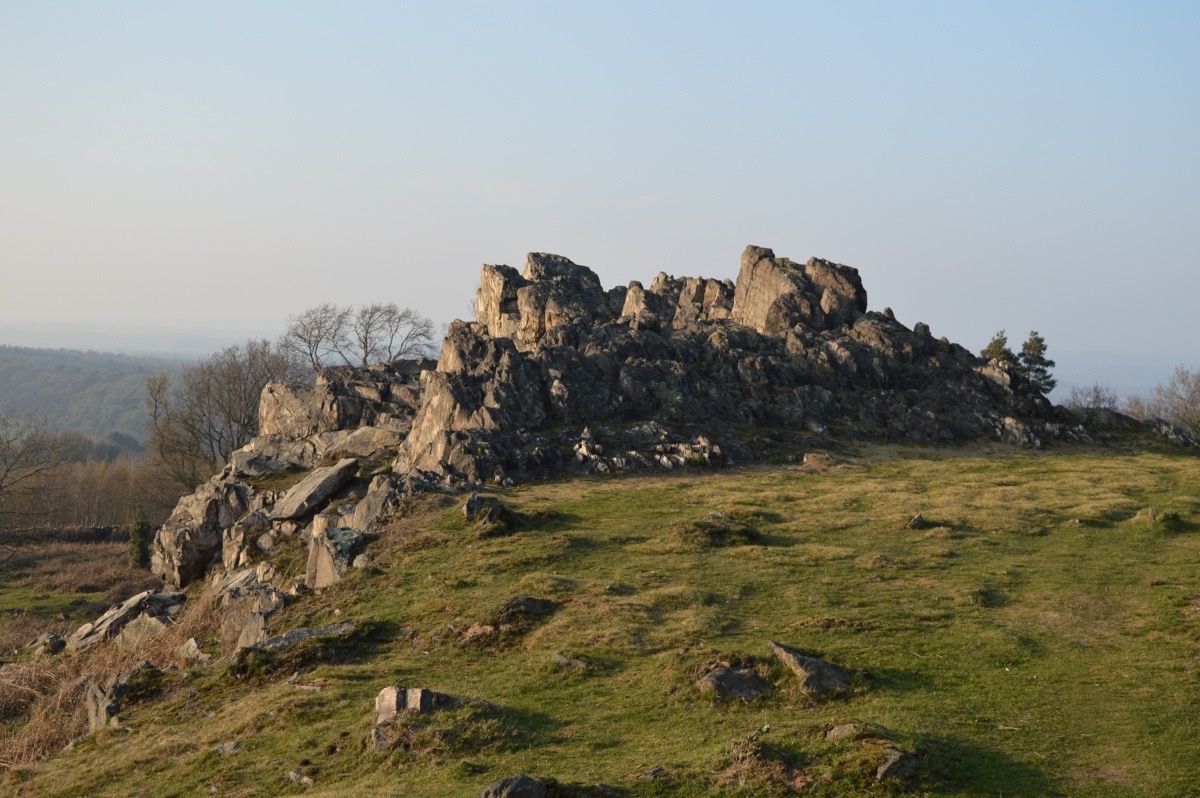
x=47, y=644
x=331, y=551
x=280, y=644
x=899, y=765
x=742, y=684
x=519, y=786
x=110, y=624
x=307, y=495
x=392, y=701
x=246, y=603
x=103, y=697
x=383, y=497
x=186, y=544
x=817, y=677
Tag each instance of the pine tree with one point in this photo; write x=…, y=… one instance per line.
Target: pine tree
x=1034, y=365
x=997, y=349
x=139, y=539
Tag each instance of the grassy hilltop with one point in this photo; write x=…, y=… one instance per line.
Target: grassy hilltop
x=1038, y=636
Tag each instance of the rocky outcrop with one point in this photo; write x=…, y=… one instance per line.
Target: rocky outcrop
x=193, y=535
x=246, y=601
x=792, y=347
x=104, y=697
x=147, y=603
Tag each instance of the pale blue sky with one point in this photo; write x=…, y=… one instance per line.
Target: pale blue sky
x=218, y=166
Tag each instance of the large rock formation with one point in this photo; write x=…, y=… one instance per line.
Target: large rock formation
x=792, y=347
x=560, y=374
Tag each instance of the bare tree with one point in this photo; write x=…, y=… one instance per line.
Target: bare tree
x=213, y=411
x=375, y=333
x=27, y=454
x=316, y=334
x=1176, y=401
x=1097, y=395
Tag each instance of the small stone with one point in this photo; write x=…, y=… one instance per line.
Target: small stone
x=519, y=786
x=899, y=765
x=734, y=683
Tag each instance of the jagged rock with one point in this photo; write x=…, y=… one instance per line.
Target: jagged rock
x=330, y=553
x=383, y=497
x=519, y=786
x=190, y=538
x=236, y=541
x=392, y=701
x=110, y=624
x=817, y=677
x=244, y=463
x=49, y=643
x=899, y=765
x=192, y=653
x=734, y=683
x=774, y=294
x=489, y=514
x=246, y=602
x=918, y=522
x=310, y=492
x=104, y=697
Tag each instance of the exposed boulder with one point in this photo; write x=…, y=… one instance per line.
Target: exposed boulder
x=104, y=697
x=392, y=701
x=246, y=602
x=775, y=295
x=331, y=552
x=728, y=683
x=155, y=605
x=47, y=644
x=308, y=494
x=817, y=677
x=899, y=765
x=519, y=786
x=193, y=535
x=383, y=497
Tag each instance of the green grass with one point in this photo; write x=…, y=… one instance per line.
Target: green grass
x=1041, y=637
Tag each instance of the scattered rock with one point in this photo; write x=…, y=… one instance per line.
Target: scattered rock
x=899, y=765
x=520, y=786
x=228, y=748
x=489, y=515
x=817, y=677
x=47, y=644
x=734, y=683
x=277, y=645
x=104, y=697
x=109, y=625
x=918, y=522
x=392, y=701
x=297, y=777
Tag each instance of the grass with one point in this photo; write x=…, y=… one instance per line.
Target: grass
x=1039, y=636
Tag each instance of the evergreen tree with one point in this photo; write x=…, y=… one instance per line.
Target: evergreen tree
x=139, y=539
x=1034, y=365
x=997, y=349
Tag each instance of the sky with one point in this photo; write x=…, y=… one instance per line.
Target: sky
x=197, y=172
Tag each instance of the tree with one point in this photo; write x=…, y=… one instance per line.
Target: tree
x=377, y=333
x=139, y=539
x=997, y=349
x=1034, y=365
x=27, y=454
x=197, y=423
x=1095, y=396
x=1176, y=401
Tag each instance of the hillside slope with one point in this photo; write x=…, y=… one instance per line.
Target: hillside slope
x=1035, y=635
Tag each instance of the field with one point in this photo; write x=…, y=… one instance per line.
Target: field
x=1038, y=634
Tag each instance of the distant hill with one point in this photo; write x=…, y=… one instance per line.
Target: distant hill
x=94, y=393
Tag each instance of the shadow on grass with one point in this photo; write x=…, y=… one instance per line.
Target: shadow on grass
x=954, y=764
x=895, y=679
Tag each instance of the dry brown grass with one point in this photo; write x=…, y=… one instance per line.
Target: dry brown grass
x=66, y=566
x=43, y=702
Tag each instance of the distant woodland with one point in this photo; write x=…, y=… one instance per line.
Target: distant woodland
x=96, y=394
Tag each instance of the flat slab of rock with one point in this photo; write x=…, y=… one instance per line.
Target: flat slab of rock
x=817, y=677
x=519, y=786
x=734, y=683
x=277, y=645
x=308, y=494
x=110, y=624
